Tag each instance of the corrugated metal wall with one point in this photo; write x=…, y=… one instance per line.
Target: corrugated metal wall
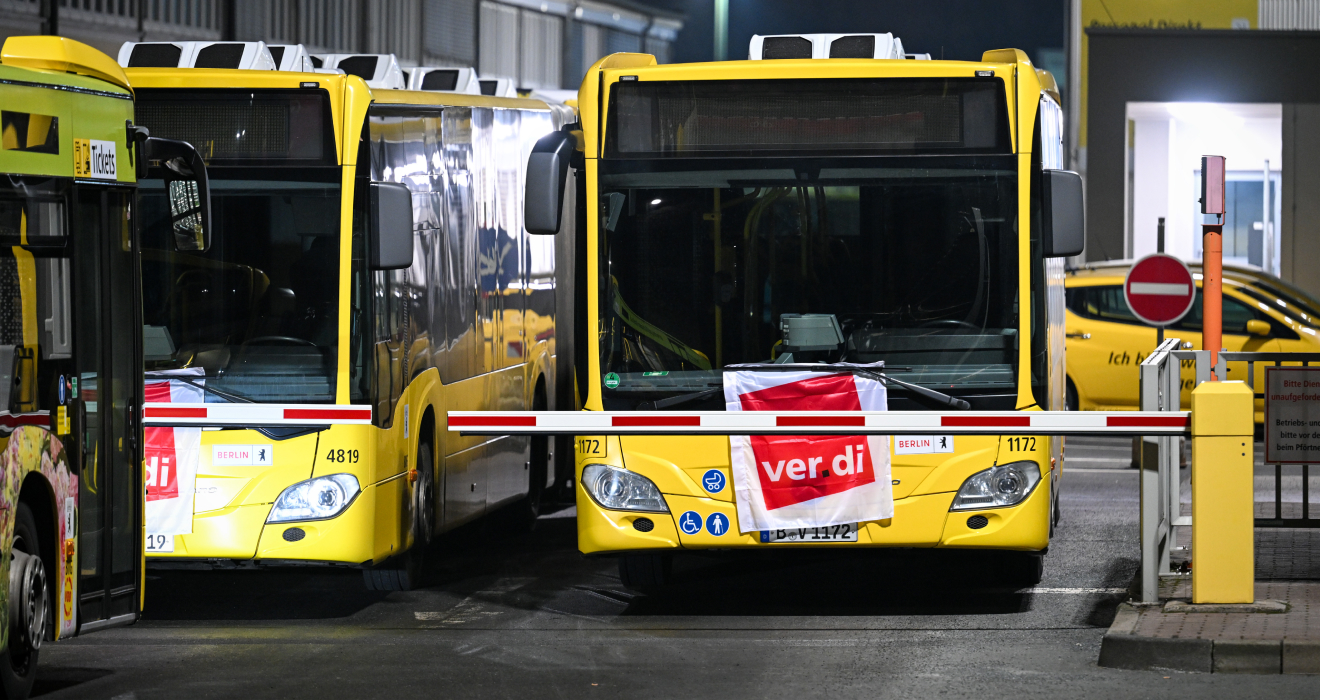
x=540, y=64
x=523, y=40
x=321, y=25
x=449, y=36
x=498, y=50
x=1289, y=14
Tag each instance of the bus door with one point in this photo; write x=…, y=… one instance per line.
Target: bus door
x=107, y=348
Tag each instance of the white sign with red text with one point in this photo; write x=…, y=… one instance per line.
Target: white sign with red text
x=796, y=481
x=172, y=455
x=922, y=444
x=242, y=455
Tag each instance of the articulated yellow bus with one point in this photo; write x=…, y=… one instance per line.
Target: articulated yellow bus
x=71, y=488
x=369, y=271
x=918, y=203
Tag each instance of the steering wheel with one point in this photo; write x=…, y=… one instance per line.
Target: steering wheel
x=950, y=323
x=279, y=340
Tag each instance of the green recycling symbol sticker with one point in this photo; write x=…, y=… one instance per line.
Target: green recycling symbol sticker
x=611, y=381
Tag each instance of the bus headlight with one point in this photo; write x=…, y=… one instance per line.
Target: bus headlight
x=315, y=499
x=620, y=489
x=997, y=487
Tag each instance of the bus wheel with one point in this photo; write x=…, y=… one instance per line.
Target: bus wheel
x=424, y=500
x=643, y=572
x=404, y=572
x=1020, y=569
x=539, y=462
x=28, y=607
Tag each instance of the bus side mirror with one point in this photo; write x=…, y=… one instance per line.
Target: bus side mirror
x=189, y=193
x=547, y=175
x=391, y=228
x=1063, y=210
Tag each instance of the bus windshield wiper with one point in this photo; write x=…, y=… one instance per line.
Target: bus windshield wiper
x=231, y=398
x=679, y=399
x=938, y=397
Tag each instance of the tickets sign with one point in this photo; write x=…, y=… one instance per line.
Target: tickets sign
x=95, y=159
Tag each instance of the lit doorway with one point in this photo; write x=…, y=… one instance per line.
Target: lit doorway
x=1165, y=143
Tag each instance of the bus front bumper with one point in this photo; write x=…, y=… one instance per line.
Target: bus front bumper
x=240, y=536
x=919, y=521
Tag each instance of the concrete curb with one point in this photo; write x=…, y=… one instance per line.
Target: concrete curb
x=1135, y=653
x=1267, y=607
x=1123, y=649
x=1301, y=657
x=1248, y=656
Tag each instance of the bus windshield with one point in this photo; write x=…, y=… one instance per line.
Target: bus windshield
x=258, y=310
x=916, y=258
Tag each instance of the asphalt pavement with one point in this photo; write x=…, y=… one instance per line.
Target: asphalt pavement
x=506, y=614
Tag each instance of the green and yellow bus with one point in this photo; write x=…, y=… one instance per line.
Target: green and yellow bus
x=920, y=203
x=369, y=272
x=70, y=376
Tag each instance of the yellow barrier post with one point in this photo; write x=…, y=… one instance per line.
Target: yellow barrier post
x=1223, y=563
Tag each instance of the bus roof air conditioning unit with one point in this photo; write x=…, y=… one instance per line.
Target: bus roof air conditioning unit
x=497, y=87
x=445, y=79
x=380, y=70
x=291, y=57
x=779, y=46
x=244, y=55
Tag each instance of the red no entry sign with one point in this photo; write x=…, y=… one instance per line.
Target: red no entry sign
x=1159, y=289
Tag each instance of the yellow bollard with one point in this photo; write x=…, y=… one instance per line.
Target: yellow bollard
x=1223, y=562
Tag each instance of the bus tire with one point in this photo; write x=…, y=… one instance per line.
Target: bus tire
x=644, y=572
x=424, y=500
x=537, y=466
x=1020, y=569
x=29, y=606
x=404, y=572
x=400, y=573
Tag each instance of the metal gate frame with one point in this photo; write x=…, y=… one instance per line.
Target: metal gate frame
x=1161, y=388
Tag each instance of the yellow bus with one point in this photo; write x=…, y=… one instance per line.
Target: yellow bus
x=71, y=490
x=919, y=205
x=369, y=271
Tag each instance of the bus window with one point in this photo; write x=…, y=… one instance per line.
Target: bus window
x=918, y=265
x=36, y=343
x=258, y=310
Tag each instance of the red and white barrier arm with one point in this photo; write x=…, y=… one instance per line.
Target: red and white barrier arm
x=820, y=422
x=252, y=415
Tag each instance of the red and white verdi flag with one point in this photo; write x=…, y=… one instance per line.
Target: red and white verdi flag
x=794, y=481
x=172, y=455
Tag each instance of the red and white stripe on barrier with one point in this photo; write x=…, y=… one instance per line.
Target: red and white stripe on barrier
x=253, y=414
x=820, y=423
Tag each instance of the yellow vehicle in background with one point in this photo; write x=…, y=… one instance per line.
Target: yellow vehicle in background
x=901, y=196
x=369, y=272
x=1106, y=342
x=71, y=482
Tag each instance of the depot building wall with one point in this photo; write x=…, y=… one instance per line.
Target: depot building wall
x=1138, y=65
